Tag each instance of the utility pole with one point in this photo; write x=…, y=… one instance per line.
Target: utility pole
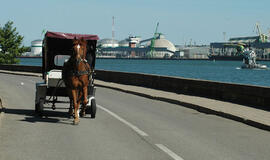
x=224, y=36
x=113, y=31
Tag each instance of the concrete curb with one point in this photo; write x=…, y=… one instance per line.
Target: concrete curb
x=196, y=107
x=173, y=101
x=21, y=73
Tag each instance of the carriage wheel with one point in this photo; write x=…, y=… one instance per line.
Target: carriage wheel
x=93, y=108
x=40, y=106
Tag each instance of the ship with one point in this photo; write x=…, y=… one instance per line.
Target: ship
x=231, y=50
x=226, y=57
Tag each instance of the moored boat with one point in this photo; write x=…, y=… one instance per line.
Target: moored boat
x=253, y=66
x=249, y=61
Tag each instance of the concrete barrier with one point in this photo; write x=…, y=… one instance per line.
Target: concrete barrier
x=254, y=96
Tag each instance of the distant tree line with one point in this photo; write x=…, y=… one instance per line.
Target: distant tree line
x=10, y=44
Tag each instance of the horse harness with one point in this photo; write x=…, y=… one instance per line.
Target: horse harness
x=87, y=70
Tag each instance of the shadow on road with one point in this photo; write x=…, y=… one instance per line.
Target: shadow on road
x=32, y=117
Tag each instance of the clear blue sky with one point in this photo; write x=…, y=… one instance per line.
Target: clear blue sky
x=203, y=21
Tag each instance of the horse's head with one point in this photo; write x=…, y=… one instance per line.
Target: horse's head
x=79, y=48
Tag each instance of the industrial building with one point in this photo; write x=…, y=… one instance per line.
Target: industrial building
x=134, y=47
x=192, y=52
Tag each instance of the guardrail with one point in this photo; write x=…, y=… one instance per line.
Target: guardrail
x=255, y=96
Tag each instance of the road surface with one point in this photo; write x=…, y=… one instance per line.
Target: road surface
x=127, y=127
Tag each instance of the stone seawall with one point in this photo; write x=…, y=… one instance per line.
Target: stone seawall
x=254, y=96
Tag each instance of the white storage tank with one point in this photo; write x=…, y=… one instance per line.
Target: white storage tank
x=36, y=47
x=108, y=43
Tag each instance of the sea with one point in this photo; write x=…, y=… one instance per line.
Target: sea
x=220, y=71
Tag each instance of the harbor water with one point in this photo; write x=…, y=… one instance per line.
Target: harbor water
x=221, y=71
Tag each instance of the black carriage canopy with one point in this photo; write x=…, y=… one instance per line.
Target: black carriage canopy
x=58, y=44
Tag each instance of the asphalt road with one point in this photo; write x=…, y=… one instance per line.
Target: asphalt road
x=126, y=127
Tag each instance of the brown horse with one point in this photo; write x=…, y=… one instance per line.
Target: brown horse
x=76, y=73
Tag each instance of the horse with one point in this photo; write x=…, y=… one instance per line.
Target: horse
x=76, y=76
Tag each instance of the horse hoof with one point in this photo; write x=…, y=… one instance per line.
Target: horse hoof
x=76, y=122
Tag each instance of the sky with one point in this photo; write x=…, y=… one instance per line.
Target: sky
x=181, y=21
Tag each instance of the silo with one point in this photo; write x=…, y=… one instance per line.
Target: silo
x=167, y=46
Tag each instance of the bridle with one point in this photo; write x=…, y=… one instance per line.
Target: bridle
x=79, y=60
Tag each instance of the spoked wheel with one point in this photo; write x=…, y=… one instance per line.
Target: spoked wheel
x=93, y=108
x=40, y=106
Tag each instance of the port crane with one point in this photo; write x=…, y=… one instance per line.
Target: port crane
x=152, y=45
x=263, y=37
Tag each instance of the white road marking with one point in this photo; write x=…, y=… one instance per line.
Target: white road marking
x=169, y=152
x=142, y=133
x=136, y=129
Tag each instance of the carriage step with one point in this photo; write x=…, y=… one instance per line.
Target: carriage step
x=57, y=101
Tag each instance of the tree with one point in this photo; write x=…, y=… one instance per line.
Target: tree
x=10, y=44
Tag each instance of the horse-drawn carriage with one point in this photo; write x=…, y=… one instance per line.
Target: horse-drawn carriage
x=68, y=62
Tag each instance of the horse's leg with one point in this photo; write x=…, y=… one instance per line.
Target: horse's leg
x=76, y=106
x=79, y=102
x=71, y=106
x=85, y=100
